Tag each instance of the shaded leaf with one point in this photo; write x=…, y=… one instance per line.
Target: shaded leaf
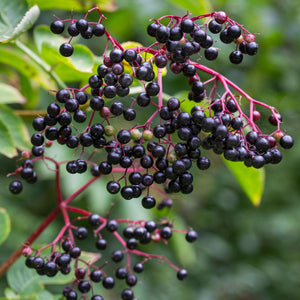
x=251, y=180
x=10, y=94
x=197, y=7
x=104, y=5
x=4, y=225
x=23, y=280
x=18, y=60
x=7, y=146
x=16, y=127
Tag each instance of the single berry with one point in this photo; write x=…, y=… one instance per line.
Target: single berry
x=66, y=49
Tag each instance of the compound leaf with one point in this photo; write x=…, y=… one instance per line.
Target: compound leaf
x=4, y=225
x=251, y=180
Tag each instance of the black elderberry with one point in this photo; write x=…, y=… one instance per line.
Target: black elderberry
x=127, y=192
x=147, y=180
x=64, y=119
x=94, y=220
x=39, y=124
x=88, y=33
x=140, y=232
x=203, y=163
x=152, y=28
x=189, y=70
x=112, y=225
x=66, y=245
x=258, y=161
x=262, y=145
x=152, y=89
x=135, y=178
x=63, y=259
x=159, y=151
x=251, y=48
x=96, y=276
x=117, y=256
x=101, y=244
x=108, y=282
x=81, y=233
x=75, y=252
x=286, y=142
x=187, y=25
x=191, y=236
x=232, y=141
x=182, y=274
x=51, y=133
x=251, y=137
x=26, y=173
x=124, y=136
x=207, y=43
x=66, y=49
x=98, y=30
x=234, y=31
x=109, y=91
x=113, y=187
x=138, y=151
x=79, y=116
x=225, y=37
x=97, y=297
x=128, y=232
x=132, y=243
x=166, y=232
x=236, y=57
x=72, y=30
x=121, y=273
x=131, y=280
x=84, y=286
x=148, y=202
x=146, y=161
x=117, y=108
x=214, y=26
x=57, y=26
x=38, y=263
x=37, y=150
x=129, y=114
x=237, y=123
x=37, y=139
x=82, y=25
x=138, y=268
x=53, y=109
x=105, y=168
x=161, y=61
x=96, y=103
x=143, y=99
x=176, y=33
x=211, y=53
x=72, y=142
x=162, y=34
x=116, y=55
x=86, y=139
x=276, y=156
x=15, y=187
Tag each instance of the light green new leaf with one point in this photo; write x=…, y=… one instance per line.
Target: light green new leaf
x=76, y=5
x=15, y=18
x=7, y=146
x=4, y=225
x=251, y=180
x=22, y=280
x=16, y=127
x=10, y=94
x=196, y=7
x=18, y=60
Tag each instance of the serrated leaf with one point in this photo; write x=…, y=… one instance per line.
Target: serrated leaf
x=10, y=94
x=16, y=59
x=11, y=14
x=4, y=225
x=23, y=280
x=104, y=5
x=27, y=21
x=16, y=19
x=7, y=146
x=16, y=127
x=251, y=180
x=197, y=7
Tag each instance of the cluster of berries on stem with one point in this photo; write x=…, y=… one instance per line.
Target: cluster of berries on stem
x=142, y=156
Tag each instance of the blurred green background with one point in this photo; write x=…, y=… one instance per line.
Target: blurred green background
x=242, y=252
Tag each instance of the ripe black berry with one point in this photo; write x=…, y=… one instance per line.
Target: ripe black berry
x=98, y=30
x=214, y=26
x=148, y=202
x=57, y=27
x=182, y=274
x=84, y=286
x=191, y=236
x=187, y=25
x=81, y=233
x=96, y=276
x=112, y=226
x=236, y=57
x=82, y=25
x=286, y=142
x=211, y=53
x=108, y=282
x=66, y=49
x=101, y=244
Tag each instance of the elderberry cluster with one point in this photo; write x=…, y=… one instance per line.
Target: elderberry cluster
x=68, y=258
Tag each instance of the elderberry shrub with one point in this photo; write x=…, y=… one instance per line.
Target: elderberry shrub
x=98, y=121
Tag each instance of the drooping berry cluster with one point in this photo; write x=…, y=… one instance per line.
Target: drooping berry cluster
x=161, y=149
x=67, y=257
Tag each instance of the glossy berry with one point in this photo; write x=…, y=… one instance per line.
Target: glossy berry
x=191, y=236
x=94, y=220
x=108, y=282
x=112, y=226
x=66, y=49
x=182, y=274
x=138, y=268
x=81, y=233
x=187, y=25
x=127, y=294
x=57, y=27
x=15, y=187
x=286, y=142
x=236, y=57
x=211, y=53
x=84, y=286
x=148, y=202
x=96, y=276
x=98, y=29
x=214, y=26
x=101, y=244
x=82, y=25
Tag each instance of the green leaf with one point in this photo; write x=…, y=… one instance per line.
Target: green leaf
x=16, y=59
x=27, y=21
x=9, y=94
x=16, y=127
x=197, y=7
x=7, y=146
x=76, y=5
x=4, y=225
x=15, y=18
x=10, y=294
x=251, y=180
x=23, y=280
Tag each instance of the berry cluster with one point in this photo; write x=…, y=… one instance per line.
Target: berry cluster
x=66, y=255
x=160, y=150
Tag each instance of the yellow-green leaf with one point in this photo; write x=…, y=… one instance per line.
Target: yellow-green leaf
x=4, y=225
x=251, y=180
x=10, y=94
x=7, y=146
